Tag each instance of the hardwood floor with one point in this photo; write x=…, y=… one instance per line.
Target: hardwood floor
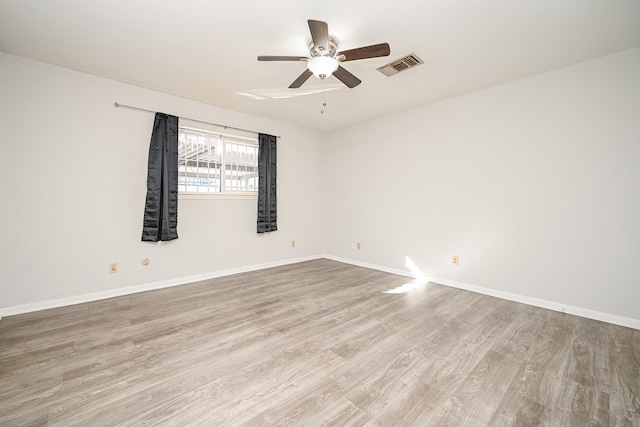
x=315, y=344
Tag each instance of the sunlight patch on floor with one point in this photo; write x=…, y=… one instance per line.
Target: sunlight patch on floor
x=419, y=281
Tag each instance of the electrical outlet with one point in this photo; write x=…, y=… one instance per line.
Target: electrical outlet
x=113, y=267
x=358, y=246
x=353, y=246
x=293, y=243
x=455, y=260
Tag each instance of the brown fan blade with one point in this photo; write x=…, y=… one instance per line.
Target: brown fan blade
x=346, y=77
x=319, y=35
x=282, y=58
x=301, y=79
x=373, y=51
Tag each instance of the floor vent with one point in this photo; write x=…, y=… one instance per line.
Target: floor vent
x=401, y=64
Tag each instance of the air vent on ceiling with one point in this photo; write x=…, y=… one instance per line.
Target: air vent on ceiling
x=401, y=64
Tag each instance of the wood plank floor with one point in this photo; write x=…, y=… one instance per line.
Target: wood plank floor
x=317, y=343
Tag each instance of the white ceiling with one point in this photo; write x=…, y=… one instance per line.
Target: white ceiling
x=206, y=50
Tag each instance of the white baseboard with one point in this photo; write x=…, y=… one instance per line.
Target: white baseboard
x=550, y=305
x=368, y=265
x=95, y=296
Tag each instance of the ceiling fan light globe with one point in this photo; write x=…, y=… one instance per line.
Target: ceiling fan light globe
x=322, y=66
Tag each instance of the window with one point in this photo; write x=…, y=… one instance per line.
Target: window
x=210, y=163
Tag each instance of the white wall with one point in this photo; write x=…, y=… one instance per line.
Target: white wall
x=73, y=184
x=535, y=185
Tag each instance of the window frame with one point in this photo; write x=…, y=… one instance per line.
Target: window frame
x=251, y=141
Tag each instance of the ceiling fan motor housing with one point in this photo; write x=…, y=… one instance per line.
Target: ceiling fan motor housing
x=333, y=48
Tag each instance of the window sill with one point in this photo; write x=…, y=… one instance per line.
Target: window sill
x=204, y=196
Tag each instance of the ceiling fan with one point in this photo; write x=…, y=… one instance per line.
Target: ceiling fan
x=324, y=58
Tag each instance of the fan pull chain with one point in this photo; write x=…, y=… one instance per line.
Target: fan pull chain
x=324, y=103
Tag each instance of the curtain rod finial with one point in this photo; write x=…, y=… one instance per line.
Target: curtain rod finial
x=115, y=104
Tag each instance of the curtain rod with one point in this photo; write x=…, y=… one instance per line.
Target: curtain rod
x=187, y=118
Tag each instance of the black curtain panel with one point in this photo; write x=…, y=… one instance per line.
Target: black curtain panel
x=267, y=204
x=161, y=207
